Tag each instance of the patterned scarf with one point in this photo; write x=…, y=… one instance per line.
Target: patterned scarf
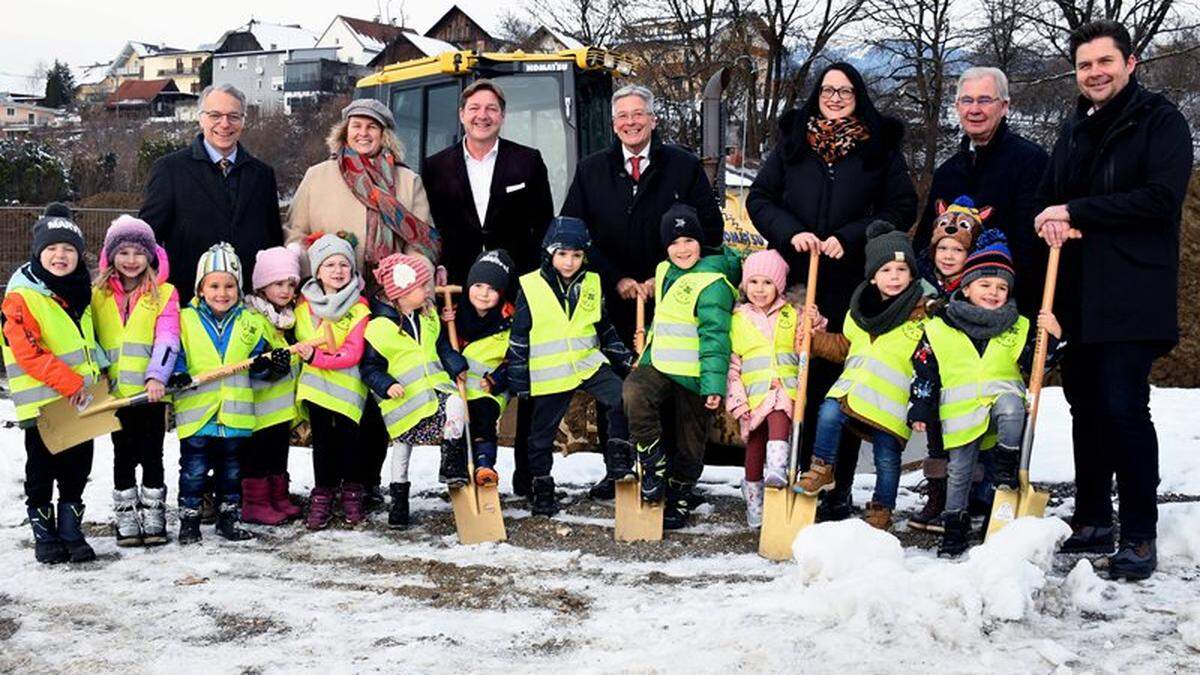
x=390, y=226
x=834, y=139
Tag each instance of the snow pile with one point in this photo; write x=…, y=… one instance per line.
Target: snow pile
x=1089, y=593
x=1178, y=534
x=1189, y=628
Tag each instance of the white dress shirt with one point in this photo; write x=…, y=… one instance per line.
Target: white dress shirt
x=479, y=173
x=644, y=154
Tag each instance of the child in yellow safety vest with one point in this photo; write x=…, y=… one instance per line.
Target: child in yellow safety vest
x=215, y=420
x=136, y=313
x=409, y=365
x=763, y=367
x=265, y=496
x=330, y=386
x=880, y=334
x=50, y=352
x=968, y=376
x=563, y=342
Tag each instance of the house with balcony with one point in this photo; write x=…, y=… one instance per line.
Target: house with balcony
x=19, y=115
x=182, y=66
x=252, y=58
x=128, y=64
x=312, y=76
x=147, y=98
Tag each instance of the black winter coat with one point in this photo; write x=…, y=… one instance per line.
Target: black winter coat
x=1120, y=281
x=796, y=191
x=190, y=207
x=1004, y=174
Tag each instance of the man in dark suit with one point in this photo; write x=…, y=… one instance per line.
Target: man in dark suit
x=485, y=194
x=213, y=191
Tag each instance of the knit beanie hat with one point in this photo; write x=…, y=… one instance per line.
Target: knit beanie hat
x=680, y=220
x=492, y=268
x=220, y=257
x=399, y=274
x=885, y=245
x=129, y=231
x=991, y=259
x=768, y=264
x=275, y=264
x=566, y=232
x=56, y=227
x=959, y=220
x=330, y=245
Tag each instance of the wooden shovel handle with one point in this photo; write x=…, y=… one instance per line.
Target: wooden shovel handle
x=232, y=368
x=1037, y=370
x=639, y=333
x=448, y=298
x=810, y=298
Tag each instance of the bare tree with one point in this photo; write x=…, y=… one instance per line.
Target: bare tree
x=514, y=29
x=1145, y=19
x=593, y=22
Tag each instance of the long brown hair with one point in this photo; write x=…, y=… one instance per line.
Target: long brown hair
x=147, y=283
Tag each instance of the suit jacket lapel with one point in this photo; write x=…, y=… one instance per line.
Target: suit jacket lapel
x=460, y=169
x=246, y=186
x=210, y=183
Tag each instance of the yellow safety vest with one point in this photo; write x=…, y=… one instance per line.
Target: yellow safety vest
x=764, y=362
x=340, y=390
x=73, y=345
x=971, y=383
x=230, y=399
x=483, y=357
x=275, y=402
x=130, y=344
x=563, y=350
x=878, y=374
x=415, y=365
x=675, y=334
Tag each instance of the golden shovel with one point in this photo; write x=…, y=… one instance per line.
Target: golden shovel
x=637, y=520
x=477, y=514
x=786, y=512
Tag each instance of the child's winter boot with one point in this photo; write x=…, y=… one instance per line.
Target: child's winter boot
x=129, y=528
x=256, y=503
x=752, y=492
x=818, y=478
x=372, y=499
x=320, y=508
x=70, y=530
x=930, y=517
x=453, y=469
x=653, y=459
x=835, y=505
x=47, y=547
x=775, y=475
x=189, y=526
x=227, y=524
x=1008, y=463
x=878, y=516
x=281, y=500
x=208, y=507
x=618, y=459
x=398, y=513
x=352, y=503
x=956, y=528
x=485, y=462
x=543, y=496
x=678, y=505
x=152, y=507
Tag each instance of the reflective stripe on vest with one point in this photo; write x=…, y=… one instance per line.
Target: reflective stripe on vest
x=971, y=383
x=129, y=345
x=483, y=357
x=275, y=402
x=878, y=374
x=763, y=361
x=415, y=365
x=340, y=390
x=74, y=345
x=563, y=351
x=230, y=399
x=675, y=335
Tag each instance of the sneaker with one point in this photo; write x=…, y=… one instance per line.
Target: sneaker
x=818, y=478
x=1135, y=561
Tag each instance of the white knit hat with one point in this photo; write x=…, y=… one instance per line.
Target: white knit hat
x=220, y=257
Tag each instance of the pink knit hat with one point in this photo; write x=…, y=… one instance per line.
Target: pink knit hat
x=274, y=264
x=399, y=274
x=129, y=231
x=766, y=264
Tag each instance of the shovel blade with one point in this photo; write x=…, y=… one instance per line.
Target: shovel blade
x=1033, y=502
x=61, y=426
x=1005, y=505
x=785, y=513
x=637, y=520
x=477, y=514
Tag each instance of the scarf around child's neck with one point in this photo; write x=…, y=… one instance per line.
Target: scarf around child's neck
x=471, y=326
x=74, y=289
x=331, y=306
x=980, y=323
x=282, y=318
x=878, y=315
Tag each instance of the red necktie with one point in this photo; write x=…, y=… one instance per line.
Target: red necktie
x=635, y=169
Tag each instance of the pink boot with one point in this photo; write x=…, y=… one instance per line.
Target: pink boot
x=280, y=499
x=256, y=503
x=320, y=508
x=352, y=503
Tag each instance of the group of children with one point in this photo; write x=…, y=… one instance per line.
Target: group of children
x=944, y=357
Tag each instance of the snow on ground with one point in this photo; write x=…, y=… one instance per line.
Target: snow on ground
x=559, y=595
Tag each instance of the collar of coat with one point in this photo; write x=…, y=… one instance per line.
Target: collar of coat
x=618, y=158
x=1134, y=100
x=793, y=138
x=201, y=155
x=994, y=142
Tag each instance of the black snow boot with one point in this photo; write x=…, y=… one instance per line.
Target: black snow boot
x=543, y=496
x=189, y=526
x=653, y=459
x=70, y=530
x=1136, y=560
x=398, y=513
x=453, y=469
x=834, y=505
x=679, y=504
x=372, y=499
x=228, y=517
x=603, y=489
x=1089, y=539
x=618, y=459
x=1008, y=465
x=956, y=528
x=47, y=547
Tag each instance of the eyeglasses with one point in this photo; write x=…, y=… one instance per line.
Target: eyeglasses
x=234, y=117
x=842, y=93
x=983, y=101
x=635, y=115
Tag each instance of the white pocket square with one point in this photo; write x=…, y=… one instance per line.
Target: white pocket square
x=514, y=188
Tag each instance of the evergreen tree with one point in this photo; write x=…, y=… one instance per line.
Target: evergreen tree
x=60, y=86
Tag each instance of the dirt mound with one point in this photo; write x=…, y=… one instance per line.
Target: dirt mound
x=1181, y=368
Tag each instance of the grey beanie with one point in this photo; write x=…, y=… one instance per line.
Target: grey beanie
x=328, y=245
x=369, y=107
x=884, y=245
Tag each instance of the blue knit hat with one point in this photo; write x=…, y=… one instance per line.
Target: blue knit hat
x=566, y=232
x=991, y=258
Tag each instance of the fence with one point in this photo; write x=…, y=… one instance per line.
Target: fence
x=16, y=234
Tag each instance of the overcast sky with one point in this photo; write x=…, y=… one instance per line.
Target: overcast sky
x=81, y=32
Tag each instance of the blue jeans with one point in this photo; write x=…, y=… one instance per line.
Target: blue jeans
x=830, y=420
x=200, y=454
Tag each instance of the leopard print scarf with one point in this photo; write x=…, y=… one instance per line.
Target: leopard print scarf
x=834, y=139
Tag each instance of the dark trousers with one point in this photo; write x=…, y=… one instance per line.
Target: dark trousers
x=267, y=452
x=521, y=474
x=200, y=454
x=69, y=468
x=548, y=411
x=139, y=442
x=647, y=391
x=336, y=451
x=485, y=415
x=374, y=441
x=821, y=376
x=1108, y=389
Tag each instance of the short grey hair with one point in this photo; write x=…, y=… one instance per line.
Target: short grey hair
x=224, y=89
x=980, y=72
x=634, y=90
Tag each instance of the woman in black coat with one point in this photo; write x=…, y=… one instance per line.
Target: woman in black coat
x=838, y=166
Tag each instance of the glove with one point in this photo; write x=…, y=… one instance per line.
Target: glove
x=179, y=381
x=261, y=365
x=281, y=362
